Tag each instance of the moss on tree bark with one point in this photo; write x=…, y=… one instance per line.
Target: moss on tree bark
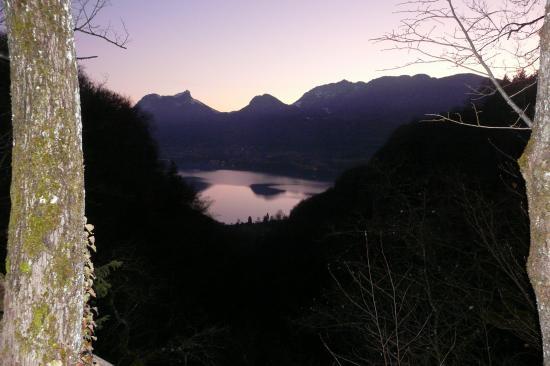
x=44, y=281
x=535, y=168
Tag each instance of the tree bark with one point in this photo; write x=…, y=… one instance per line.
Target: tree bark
x=44, y=283
x=535, y=168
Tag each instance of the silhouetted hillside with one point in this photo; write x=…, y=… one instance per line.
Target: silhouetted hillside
x=146, y=218
x=426, y=244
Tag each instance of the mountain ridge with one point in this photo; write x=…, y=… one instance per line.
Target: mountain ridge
x=330, y=128
x=356, y=84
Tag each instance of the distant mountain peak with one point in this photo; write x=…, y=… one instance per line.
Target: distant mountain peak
x=326, y=91
x=345, y=96
x=265, y=103
x=344, y=82
x=178, y=104
x=185, y=94
x=422, y=76
x=264, y=100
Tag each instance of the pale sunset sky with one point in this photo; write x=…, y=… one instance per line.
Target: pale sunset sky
x=227, y=51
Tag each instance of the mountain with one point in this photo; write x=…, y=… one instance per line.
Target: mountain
x=266, y=104
x=330, y=128
x=178, y=108
x=416, y=94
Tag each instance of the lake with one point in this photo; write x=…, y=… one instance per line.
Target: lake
x=236, y=195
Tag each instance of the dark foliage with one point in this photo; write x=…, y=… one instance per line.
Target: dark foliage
x=427, y=247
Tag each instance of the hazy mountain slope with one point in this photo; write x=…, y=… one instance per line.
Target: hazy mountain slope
x=329, y=128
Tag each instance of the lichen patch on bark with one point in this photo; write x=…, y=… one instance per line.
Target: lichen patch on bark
x=46, y=243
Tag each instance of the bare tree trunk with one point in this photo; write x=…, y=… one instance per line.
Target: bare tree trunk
x=535, y=167
x=44, y=283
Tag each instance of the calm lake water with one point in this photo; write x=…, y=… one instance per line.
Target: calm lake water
x=235, y=195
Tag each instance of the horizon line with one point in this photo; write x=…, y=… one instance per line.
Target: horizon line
x=293, y=103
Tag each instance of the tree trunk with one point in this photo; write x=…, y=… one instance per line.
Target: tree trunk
x=44, y=282
x=535, y=168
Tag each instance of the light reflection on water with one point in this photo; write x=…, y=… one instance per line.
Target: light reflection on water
x=236, y=195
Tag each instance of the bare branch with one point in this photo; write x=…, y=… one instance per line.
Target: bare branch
x=86, y=57
x=492, y=77
x=520, y=26
x=477, y=38
x=458, y=120
x=86, y=12
x=534, y=83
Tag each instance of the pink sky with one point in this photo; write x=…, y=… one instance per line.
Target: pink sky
x=227, y=51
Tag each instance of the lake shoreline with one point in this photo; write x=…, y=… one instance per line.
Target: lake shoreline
x=287, y=170
x=235, y=195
